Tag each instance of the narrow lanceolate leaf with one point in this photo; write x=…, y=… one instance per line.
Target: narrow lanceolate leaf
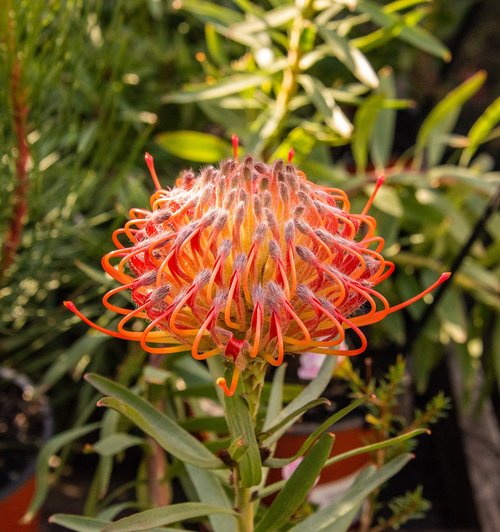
x=116, y=443
x=275, y=403
x=480, y=130
x=382, y=139
x=42, y=464
x=317, y=433
x=160, y=427
x=326, y=106
x=297, y=487
x=275, y=429
x=194, y=146
x=350, y=57
x=210, y=491
x=176, y=513
x=78, y=523
x=333, y=517
x=443, y=117
x=364, y=123
x=311, y=392
x=232, y=85
x=241, y=427
x=415, y=36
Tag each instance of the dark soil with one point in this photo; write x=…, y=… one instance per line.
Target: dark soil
x=24, y=425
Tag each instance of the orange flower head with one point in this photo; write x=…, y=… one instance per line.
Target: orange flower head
x=248, y=260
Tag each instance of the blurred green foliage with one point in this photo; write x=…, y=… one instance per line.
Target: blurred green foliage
x=103, y=81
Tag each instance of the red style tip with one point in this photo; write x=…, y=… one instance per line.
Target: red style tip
x=444, y=277
x=378, y=184
x=236, y=142
x=70, y=306
x=291, y=155
x=151, y=165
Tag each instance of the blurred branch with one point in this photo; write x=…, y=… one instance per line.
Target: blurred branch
x=17, y=95
x=419, y=325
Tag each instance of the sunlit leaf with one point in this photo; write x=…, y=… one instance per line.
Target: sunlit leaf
x=350, y=57
x=480, y=130
x=194, y=146
x=443, y=118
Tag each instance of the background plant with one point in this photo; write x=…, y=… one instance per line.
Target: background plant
x=92, y=77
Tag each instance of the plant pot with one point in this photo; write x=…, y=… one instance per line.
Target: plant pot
x=25, y=423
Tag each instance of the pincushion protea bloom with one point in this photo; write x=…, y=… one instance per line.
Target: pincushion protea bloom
x=248, y=260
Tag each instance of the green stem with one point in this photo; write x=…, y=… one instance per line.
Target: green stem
x=288, y=87
x=244, y=506
x=253, y=378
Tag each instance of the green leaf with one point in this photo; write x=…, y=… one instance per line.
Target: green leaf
x=116, y=443
x=442, y=119
x=311, y=392
x=194, y=146
x=42, y=464
x=78, y=523
x=350, y=57
x=382, y=139
x=275, y=403
x=176, y=513
x=317, y=433
x=323, y=100
x=160, y=427
x=69, y=359
x=480, y=130
x=209, y=12
x=415, y=36
x=376, y=446
x=231, y=85
x=364, y=123
x=333, y=516
x=277, y=429
x=210, y=491
x=241, y=426
x=297, y=487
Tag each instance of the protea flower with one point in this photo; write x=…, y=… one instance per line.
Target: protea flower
x=245, y=261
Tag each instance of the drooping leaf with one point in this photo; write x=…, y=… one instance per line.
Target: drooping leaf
x=175, y=513
x=160, y=427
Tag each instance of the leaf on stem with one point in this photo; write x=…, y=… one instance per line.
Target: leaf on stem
x=169, y=435
x=297, y=487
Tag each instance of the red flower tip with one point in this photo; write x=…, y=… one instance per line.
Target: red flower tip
x=291, y=155
x=151, y=165
x=235, y=141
